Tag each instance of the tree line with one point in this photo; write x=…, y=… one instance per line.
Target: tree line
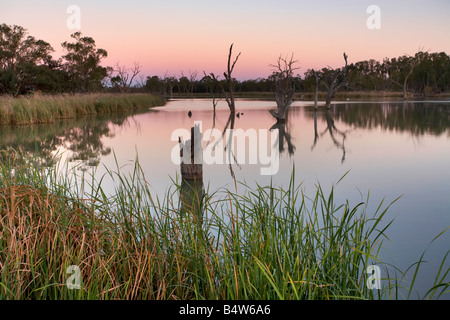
x=423, y=74
x=27, y=66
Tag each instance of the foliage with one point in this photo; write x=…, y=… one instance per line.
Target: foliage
x=20, y=56
x=422, y=74
x=27, y=66
x=269, y=243
x=83, y=63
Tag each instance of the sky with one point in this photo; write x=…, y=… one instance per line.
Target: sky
x=183, y=36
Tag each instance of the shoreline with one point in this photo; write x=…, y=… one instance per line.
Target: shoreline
x=42, y=109
x=46, y=109
x=309, y=96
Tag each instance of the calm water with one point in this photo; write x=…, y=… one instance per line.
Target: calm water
x=389, y=148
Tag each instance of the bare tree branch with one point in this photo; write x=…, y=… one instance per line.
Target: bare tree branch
x=283, y=75
x=333, y=80
x=228, y=77
x=123, y=77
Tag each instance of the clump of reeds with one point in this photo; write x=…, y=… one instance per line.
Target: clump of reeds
x=40, y=108
x=269, y=243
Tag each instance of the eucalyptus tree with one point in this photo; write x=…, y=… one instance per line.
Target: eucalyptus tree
x=169, y=82
x=82, y=62
x=20, y=53
x=432, y=73
x=400, y=70
x=441, y=66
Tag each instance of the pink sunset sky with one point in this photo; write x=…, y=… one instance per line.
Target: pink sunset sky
x=182, y=36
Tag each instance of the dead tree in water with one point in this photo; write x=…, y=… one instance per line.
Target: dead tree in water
x=229, y=95
x=333, y=80
x=284, y=86
x=229, y=79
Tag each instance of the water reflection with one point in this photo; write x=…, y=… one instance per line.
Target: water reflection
x=81, y=139
x=373, y=140
x=285, y=138
x=84, y=138
x=335, y=133
x=411, y=117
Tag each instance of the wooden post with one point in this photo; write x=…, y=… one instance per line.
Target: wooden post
x=192, y=193
x=191, y=168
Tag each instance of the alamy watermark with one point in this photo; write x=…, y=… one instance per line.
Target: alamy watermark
x=374, y=279
x=230, y=147
x=73, y=22
x=74, y=280
x=374, y=20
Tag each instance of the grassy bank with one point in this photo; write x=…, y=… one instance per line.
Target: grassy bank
x=270, y=243
x=49, y=108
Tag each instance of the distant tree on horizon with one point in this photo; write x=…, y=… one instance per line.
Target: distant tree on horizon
x=123, y=77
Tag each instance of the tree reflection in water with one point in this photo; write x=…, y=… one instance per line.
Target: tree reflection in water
x=415, y=118
x=333, y=131
x=81, y=139
x=285, y=138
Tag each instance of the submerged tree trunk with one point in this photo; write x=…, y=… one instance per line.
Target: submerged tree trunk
x=229, y=79
x=228, y=94
x=284, y=87
x=316, y=90
x=334, y=81
x=330, y=95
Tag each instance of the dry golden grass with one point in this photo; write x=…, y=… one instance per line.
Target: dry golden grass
x=269, y=244
x=40, y=108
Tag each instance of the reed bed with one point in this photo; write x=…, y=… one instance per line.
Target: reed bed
x=40, y=108
x=269, y=243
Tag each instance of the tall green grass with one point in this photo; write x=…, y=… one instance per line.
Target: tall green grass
x=49, y=108
x=268, y=243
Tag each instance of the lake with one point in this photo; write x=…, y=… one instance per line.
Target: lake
x=388, y=148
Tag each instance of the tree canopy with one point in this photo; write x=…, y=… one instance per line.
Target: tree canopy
x=21, y=58
x=27, y=66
